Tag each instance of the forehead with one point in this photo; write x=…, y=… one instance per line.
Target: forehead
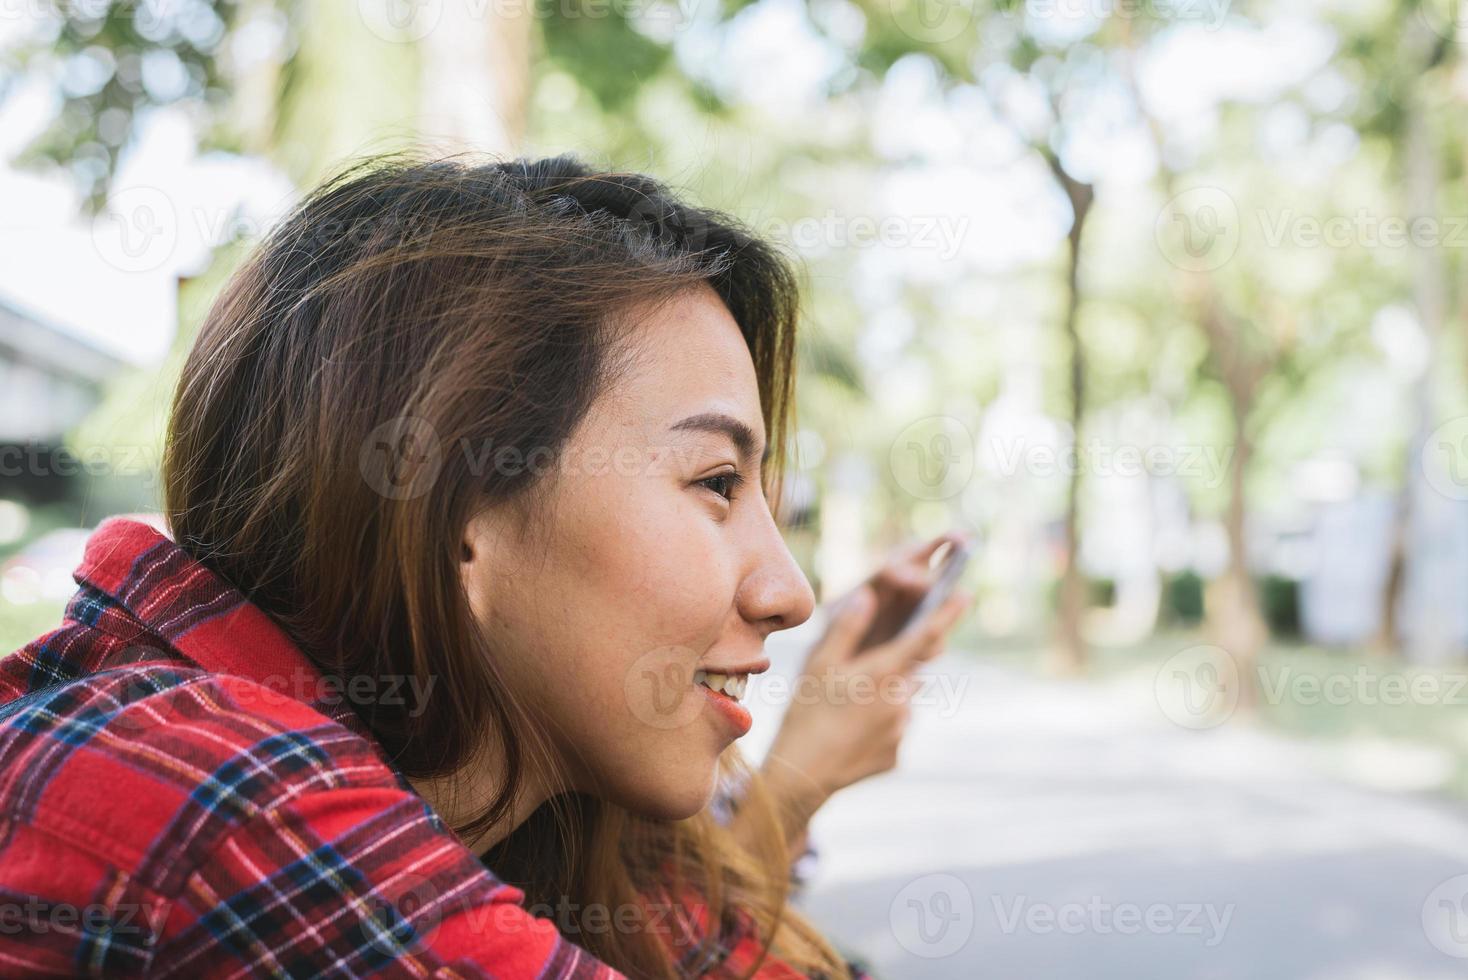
x=690, y=357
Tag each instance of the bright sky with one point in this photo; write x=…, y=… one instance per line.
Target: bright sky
x=113, y=281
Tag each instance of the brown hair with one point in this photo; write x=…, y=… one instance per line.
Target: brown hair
x=408, y=307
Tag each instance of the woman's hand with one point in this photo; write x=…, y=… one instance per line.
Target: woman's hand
x=849, y=706
x=900, y=585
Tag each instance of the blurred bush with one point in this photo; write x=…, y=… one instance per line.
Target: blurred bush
x=1182, y=599
x=1279, y=598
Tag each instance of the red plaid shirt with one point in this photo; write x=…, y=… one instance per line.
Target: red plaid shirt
x=181, y=794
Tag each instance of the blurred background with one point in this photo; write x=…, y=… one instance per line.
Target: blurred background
x=1164, y=299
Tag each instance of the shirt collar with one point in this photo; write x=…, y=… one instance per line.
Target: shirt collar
x=203, y=617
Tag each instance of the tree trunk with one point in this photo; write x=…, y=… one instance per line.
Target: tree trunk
x=1422, y=177
x=1387, y=642
x=1235, y=621
x=475, y=83
x=1232, y=612
x=1070, y=652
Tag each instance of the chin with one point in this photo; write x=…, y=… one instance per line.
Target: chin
x=678, y=802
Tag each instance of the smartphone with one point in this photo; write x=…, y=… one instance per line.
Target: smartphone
x=949, y=571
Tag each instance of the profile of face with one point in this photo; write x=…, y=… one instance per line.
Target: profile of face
x=608, y=618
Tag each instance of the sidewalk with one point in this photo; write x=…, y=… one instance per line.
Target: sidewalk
x=1040, y=828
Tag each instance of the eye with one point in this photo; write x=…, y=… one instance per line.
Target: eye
x=731, y=482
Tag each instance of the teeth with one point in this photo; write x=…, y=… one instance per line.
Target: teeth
x=734, y=685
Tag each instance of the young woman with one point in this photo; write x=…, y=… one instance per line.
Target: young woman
x=471, y=558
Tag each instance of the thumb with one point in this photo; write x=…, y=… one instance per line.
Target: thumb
x=850, y=621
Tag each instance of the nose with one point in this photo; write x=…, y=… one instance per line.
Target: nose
x=775, y=594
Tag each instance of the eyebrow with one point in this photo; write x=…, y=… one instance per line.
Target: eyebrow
x=721, y=424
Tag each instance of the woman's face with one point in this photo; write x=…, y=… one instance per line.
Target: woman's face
x=643, y=575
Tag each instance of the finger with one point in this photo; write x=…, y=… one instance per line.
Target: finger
x=923, y=551
x=927, y=637
x=920, y=553
x=922, y=560
x=909, y=570
x=910, y=579
x=904, y=714
x=902, y=689
x=850, y=620
x=932, y=652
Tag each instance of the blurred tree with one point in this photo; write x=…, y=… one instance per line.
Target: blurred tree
x=112, y=61
x=304, y=85
x=1042, y=84
x=1271, y=330
x=1056, y=77
x=1413, y=110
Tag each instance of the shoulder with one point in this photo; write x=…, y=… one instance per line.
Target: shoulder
x=149, y=765
x=231, y=828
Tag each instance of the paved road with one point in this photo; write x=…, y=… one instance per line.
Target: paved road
x=1042, y=828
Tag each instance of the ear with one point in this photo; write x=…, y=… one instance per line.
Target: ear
x=488, y=541
x=476, y=549
x=474, y=541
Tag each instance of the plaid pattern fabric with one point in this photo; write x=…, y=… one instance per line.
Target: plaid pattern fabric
x=182, y=795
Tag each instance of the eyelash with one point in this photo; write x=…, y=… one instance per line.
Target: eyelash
x=736, y=480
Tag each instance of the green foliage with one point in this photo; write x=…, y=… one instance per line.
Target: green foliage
x=606, y=84
x=1182, y=599
x=20, y=624
x=1279, y=598
x=108, y=52
x=595, y=42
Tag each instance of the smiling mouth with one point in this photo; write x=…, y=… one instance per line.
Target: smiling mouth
x=732, y=686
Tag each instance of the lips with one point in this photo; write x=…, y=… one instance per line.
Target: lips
x=725, y=688
x=728, y=709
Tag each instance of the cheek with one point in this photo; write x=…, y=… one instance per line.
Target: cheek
x=605, y=635
x=625, y=720
x=653, y=570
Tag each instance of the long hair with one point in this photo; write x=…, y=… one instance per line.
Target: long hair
x=323, y=457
